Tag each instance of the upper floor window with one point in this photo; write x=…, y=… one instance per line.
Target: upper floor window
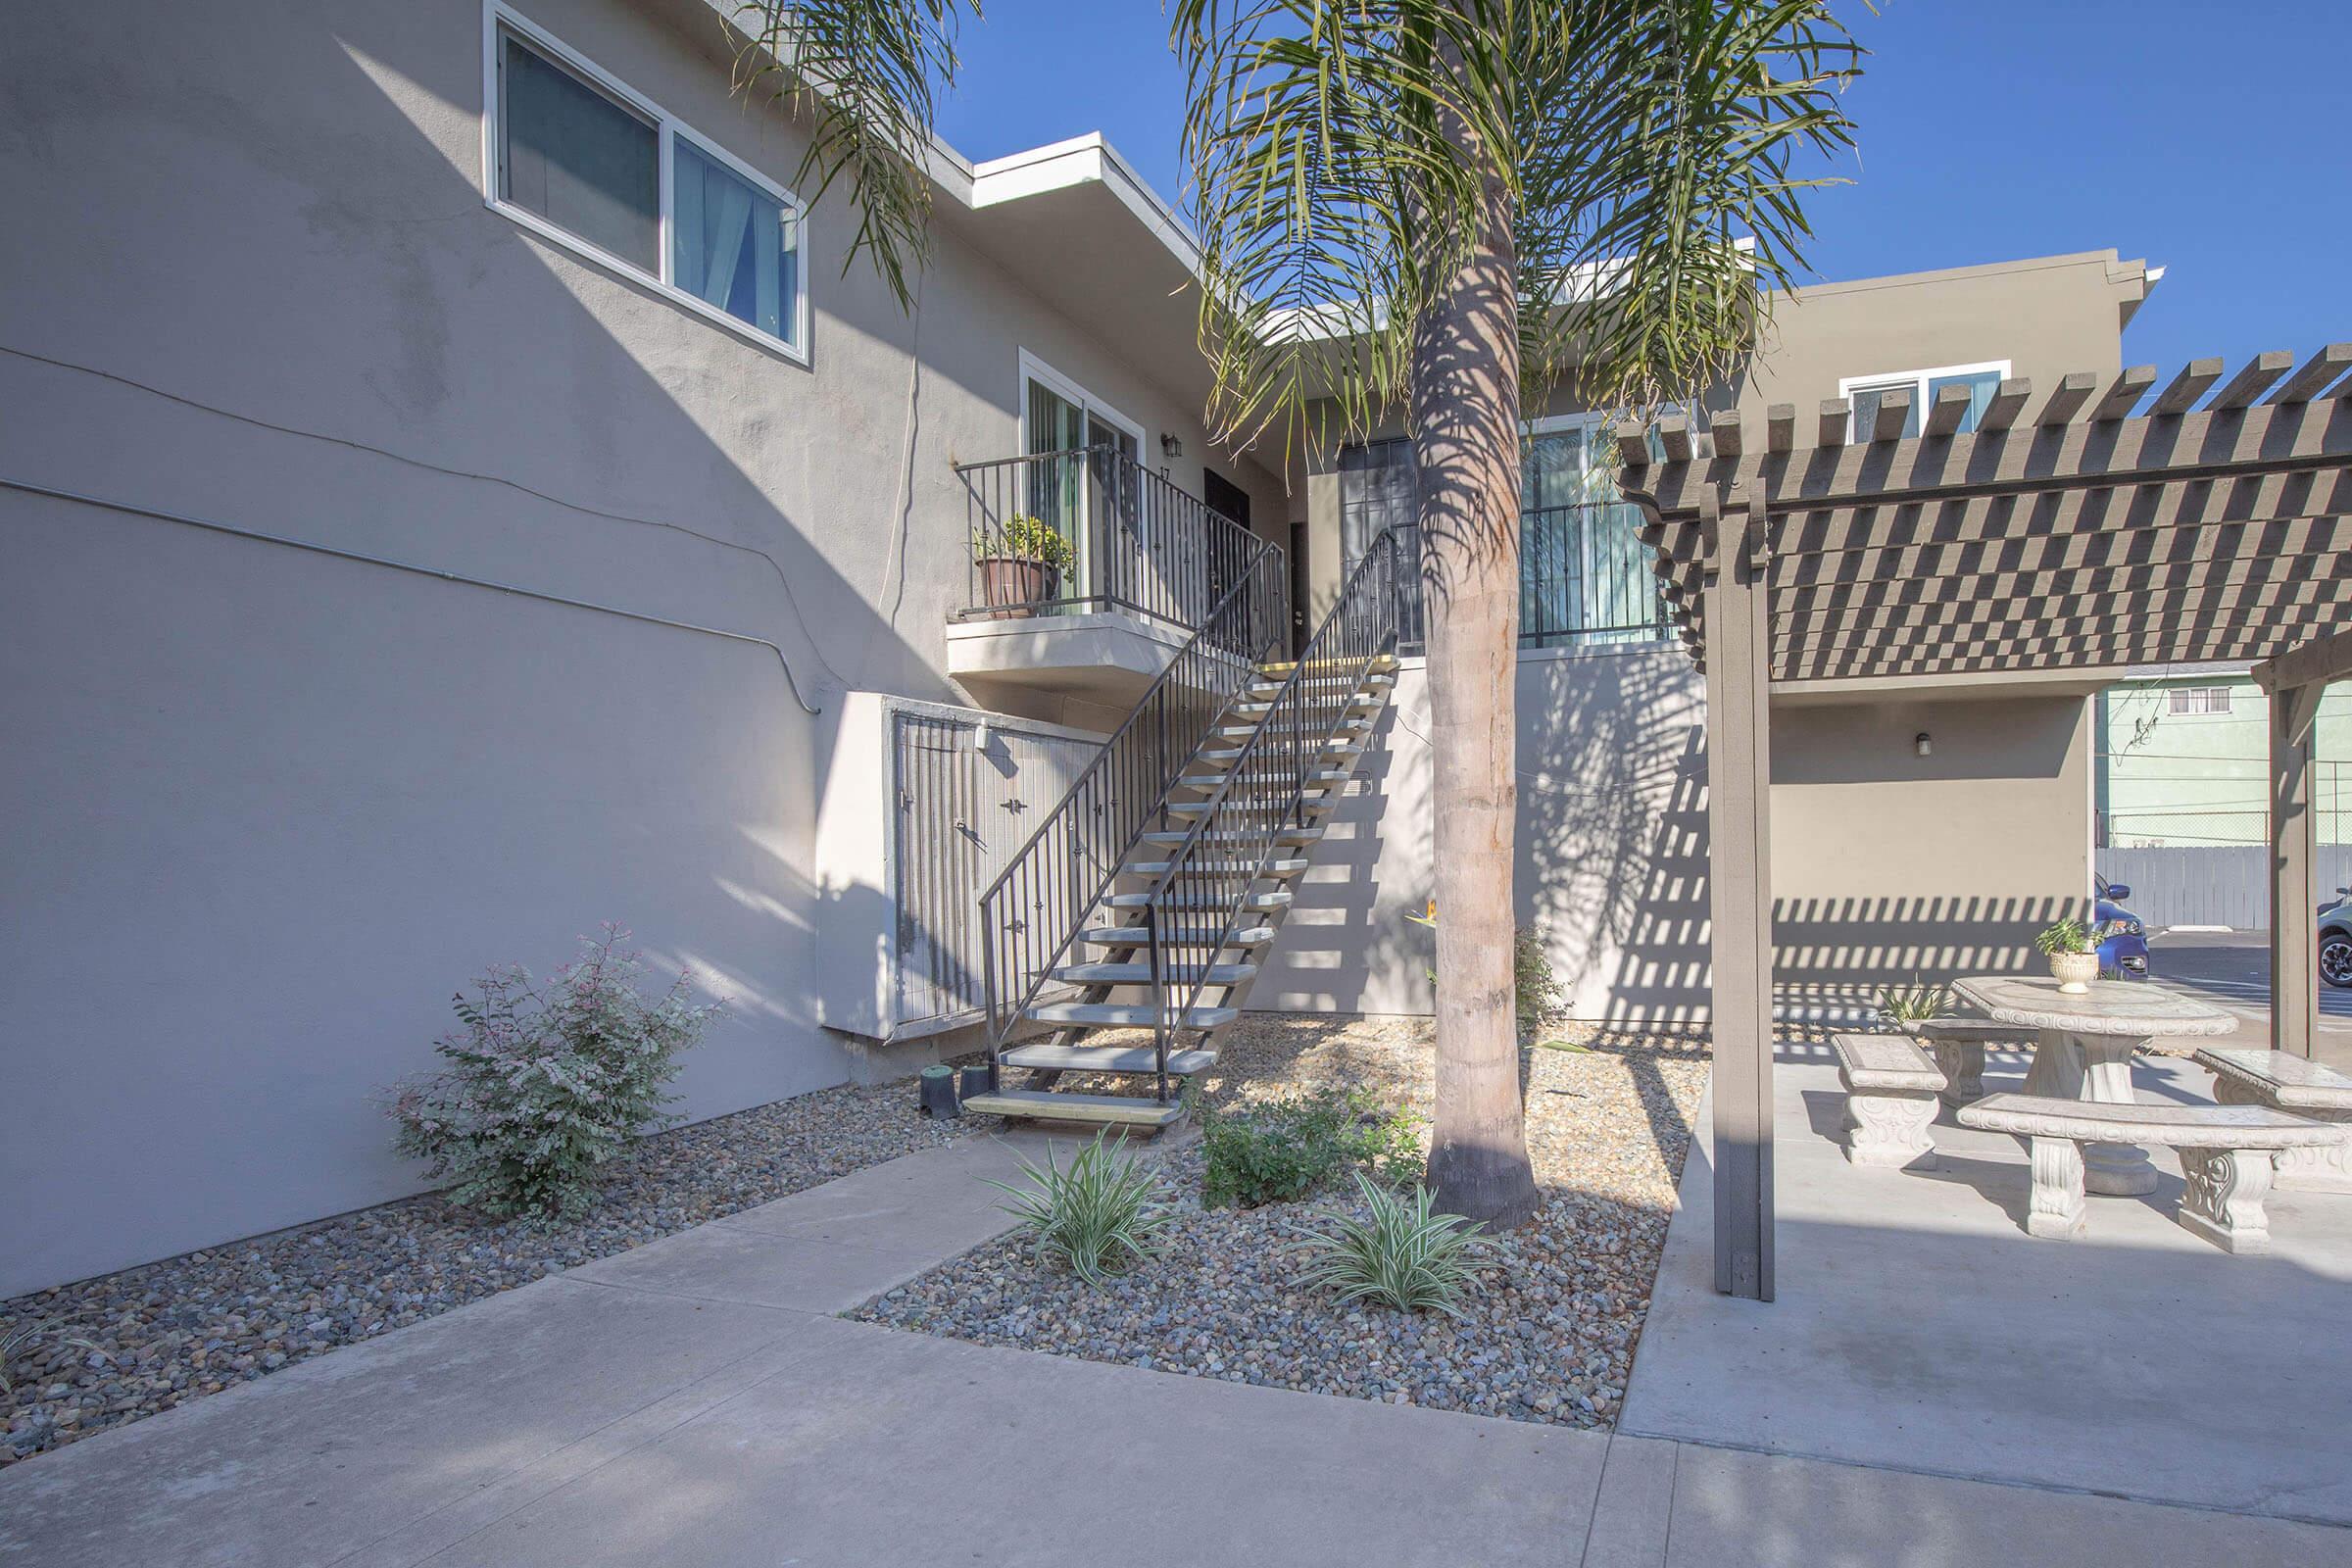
x=1865, y=392
x=579, y=157
x=2200, y=699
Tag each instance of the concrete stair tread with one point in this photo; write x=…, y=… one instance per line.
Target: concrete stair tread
x=1210, y=781
x=1242, y=732
x=1173, y=838
x=1134, y=936
x=1127, y=1015
x=1316, y=804
x=1272, y=898
x=1327, y=749
x=1380, y=663
x=1105, y=1109
x=1139, y=973
x=1270, y=869
x=1108, y=1058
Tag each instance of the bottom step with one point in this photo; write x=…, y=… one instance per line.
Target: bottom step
x=1109, y=1109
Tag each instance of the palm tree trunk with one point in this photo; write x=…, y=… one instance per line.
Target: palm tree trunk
x=1465, y=409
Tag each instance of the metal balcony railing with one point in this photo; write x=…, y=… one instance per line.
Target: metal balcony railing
x=1093, y=529
x=1585, y=576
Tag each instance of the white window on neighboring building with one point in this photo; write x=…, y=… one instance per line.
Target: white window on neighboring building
x=1864, y=392
x=575, y=156
x=2200, y=699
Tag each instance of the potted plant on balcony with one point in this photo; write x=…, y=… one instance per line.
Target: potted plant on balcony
x=2073, y=950
x=1020, y=566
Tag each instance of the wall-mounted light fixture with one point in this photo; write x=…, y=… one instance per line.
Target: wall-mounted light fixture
x=1170, y=448
x=1923, y=744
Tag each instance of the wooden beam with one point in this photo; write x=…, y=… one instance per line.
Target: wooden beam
x=1948, y=410
x=1674, y=434
x=2180, y=393
x=2124, y=393
x=1835, y=415
x=2314, y=664
x=2249, y=383
x=2072, y=392
x=1740, y=900
x=2199, y=446
x=2294, y=871
x=1633, y=445
x=1724, y=429
x=2313, y=377
x=1895, y=413
x=1780, y=427
x=2006, y=405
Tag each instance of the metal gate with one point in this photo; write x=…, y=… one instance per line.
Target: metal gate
x=971, y=789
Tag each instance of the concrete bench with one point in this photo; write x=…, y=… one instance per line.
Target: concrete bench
x=2294, y=1084
x=1890, y=1090
x=2225, y=1152
x=1959, y=1046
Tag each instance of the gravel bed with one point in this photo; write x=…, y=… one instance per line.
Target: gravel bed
x=1548, y=1337
x=170, y=1332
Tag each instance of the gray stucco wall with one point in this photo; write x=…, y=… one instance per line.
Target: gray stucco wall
x=267, y=810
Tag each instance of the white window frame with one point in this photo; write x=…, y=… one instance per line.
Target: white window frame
x=498, y=16
x=1069, y=390
x=1592, y=423
x=1918, y=380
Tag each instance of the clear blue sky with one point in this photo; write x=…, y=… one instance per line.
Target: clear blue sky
x=2210, y=139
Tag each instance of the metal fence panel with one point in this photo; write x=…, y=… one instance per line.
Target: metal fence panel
x=2210, y=884
x=964, y=810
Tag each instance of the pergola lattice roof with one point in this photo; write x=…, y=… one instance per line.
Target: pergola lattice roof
x=2064, y=531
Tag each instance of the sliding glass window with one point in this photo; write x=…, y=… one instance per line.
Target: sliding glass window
x=579, y=157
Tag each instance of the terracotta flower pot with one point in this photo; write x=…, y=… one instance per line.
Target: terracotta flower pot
x=1013, y=586
x=2073, y=971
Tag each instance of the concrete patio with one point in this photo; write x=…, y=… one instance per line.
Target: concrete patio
x=1917, y=1325
x=695, y=1401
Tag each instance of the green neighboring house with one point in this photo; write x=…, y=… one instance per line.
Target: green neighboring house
x=2181, y=761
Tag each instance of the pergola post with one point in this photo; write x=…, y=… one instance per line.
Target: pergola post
x=1739, y=887
x=2294, y=870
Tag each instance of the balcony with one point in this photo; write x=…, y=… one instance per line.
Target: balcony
x=1088, y=572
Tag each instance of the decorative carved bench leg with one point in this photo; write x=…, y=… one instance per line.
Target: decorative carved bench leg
x=1963, y=1064
x=2326, y=1169
x=2057, y=1208
x=2223, y=1200
x=1889, y=1127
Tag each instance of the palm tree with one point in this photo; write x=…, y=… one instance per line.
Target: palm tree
x=1449, y=205
x=864, y=75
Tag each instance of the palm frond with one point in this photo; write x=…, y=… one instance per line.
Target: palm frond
x=864, y=76
x=1655, y=153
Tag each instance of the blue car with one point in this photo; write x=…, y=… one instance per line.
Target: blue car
x=2124, y=949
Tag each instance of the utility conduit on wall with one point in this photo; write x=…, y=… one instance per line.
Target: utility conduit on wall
x=385, y=561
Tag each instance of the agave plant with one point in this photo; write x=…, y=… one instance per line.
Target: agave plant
x=1101, y=1217
x=1916, y=1003
x=1402, y=1254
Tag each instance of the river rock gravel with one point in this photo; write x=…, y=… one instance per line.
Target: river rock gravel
x=129, y=1344
x=1549, y=1333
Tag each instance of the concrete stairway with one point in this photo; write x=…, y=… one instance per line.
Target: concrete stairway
x=1109, y=1028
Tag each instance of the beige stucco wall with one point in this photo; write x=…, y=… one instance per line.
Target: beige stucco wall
x=1886, y=864
x=268, y=810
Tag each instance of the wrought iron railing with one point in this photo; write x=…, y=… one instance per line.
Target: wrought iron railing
x=1049, y=890
x=1093, y=529
x=1195, y=905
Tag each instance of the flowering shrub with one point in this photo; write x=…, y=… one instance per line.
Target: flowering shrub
x=548, y=1082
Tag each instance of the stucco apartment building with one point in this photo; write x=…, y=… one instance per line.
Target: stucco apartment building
x=454, y=493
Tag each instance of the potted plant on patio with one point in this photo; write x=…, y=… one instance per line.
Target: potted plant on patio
x=1020, y=566
x=2073, y=950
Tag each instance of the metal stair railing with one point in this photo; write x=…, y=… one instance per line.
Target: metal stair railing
x=1031, y=914
x=1238, y=834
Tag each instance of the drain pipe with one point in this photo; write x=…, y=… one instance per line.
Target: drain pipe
x=210, y=526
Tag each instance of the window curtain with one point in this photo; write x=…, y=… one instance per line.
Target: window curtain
x=732, y=245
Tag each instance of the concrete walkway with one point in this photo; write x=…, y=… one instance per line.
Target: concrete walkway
x=696, y=1403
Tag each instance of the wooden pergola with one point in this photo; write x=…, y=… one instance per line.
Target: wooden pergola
x=2069, y=530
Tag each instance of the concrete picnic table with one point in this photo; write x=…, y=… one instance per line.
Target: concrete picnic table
x=2086, y=1046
